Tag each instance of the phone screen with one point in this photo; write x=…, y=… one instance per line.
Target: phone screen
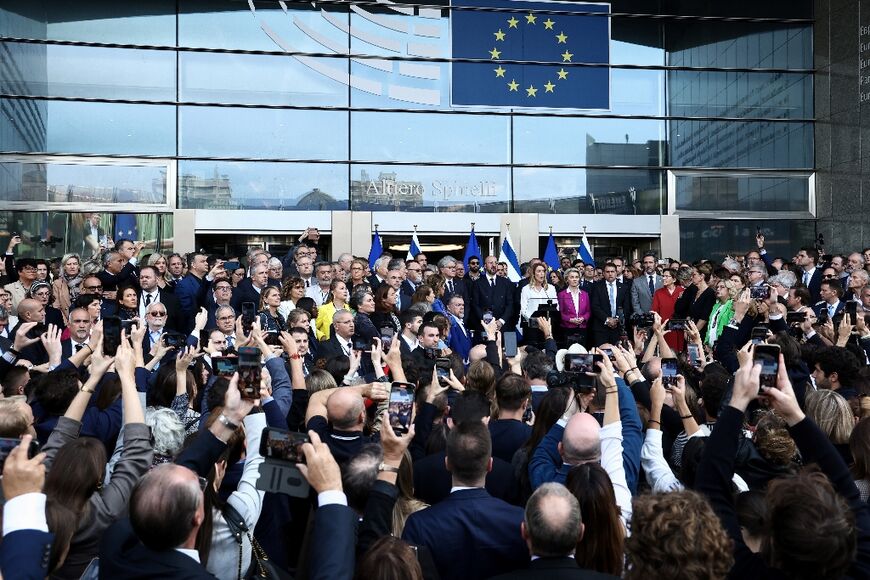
x=584, y=363
x=249, y=312
x=852, y=310
x=387, y=338
x=111, y=335
x=669, y=372
x=676, y=324
x=225, y=366
x=487, y=317
x=7, y=444
x=694, y=355
x=283, y=445
x=510, y=343
x=768, y=356
x=759, y=334
x=249, y=372
x=401, y=406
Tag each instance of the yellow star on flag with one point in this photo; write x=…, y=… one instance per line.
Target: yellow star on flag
x=499, y=35
x=566, y=56
x=548, y=24
x=495, y=53
x=549, y=87
x=563, y=74
x=499, y=72
x=561, y=38
x=513, y=85
x=531, y=91
x=530, y=18
x=513, y=22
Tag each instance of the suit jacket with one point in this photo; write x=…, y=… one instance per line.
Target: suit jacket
x=174, y=316
x=326, y=349
x=815, y=284
x=821, y=306
x=641, y=299
x=471, y=535
x=554, y=569
x=432, y=481
x=501, y=300
x=191, y=293
x=122, y=555
x=460, y=288
x=244, y=292
x=333, y=542
x=374, y=282
x=408, y=289
x=129, y=273
x=586, y=284
x=66, y=348
x=460, y=339
x=567, y=310
x=599, y=301
x=24, y=554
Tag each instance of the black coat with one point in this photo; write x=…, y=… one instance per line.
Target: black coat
x=501, y=300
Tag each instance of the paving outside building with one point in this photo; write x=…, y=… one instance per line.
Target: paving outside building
x=193, y=123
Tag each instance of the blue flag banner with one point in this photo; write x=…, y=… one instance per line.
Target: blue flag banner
x=414, y=248
x=530, y=54
x=125, y=227
x=509, y=256
x=551, y=255
x=376, y=251
x=585, y=251
x=471, y=249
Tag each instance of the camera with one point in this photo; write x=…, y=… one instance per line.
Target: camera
x=577, y=381
x=643, y=319
x=759, y=292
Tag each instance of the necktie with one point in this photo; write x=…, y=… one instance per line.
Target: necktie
x=450, y=286
x=612, y=292
x=399, y=302
x=78, y=347
x=147, y=300
x=831, y=310
x=806, y=279
x=492, y=282
x=652, y=286
x=230, y=342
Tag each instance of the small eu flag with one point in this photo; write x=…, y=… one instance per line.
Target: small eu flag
x=531, y=54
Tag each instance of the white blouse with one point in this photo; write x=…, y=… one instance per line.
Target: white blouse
x=532, y=298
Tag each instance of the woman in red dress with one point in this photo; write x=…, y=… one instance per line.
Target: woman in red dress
x=664, y=300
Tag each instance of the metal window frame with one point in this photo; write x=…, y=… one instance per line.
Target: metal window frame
x=673, y=174
x=170, y=165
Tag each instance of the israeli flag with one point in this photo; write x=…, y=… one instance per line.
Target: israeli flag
x=509, y=256
x=585, y=251
x=414, y=249
x=376, y=251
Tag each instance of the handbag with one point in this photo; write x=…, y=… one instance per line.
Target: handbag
x=261, y=566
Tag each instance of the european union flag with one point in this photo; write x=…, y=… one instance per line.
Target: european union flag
x=126, y=227
x=545, y=44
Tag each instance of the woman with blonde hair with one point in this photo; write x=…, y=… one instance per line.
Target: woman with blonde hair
x=833, y=414
x=65, y=289
x=158, y=260
x=723, y=310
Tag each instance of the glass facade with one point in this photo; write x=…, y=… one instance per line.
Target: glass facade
x=348, y=106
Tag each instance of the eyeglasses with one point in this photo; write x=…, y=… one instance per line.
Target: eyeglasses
x=93, y=287
x=227, y=318
x=157, y=314
x=342, y=321
x=829, y=276
x=226, y=287
x=80, y=321
x=28, y=269
x=42, y=294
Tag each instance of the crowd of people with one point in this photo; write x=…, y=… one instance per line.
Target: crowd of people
x=644, y=418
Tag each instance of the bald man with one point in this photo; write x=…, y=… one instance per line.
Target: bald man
x=574, y=439
x=338, y=416
x=30, y=310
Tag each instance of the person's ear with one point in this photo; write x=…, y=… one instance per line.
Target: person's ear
x=447, y=464
x=489, y=465
x=559, y=448
x=449, y=420
x=582, y=529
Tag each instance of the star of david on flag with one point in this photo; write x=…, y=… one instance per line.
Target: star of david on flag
x=530, y=54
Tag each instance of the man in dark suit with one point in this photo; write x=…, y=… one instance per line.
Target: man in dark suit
x=408, y=341
x=551, y=528
x=493, y=293
x=80, y=325
x=588, y=278
x=192, y=289
x=413, y=277
x=452, y=283
x=249, y=289
x=610, y=302
x=830, y=305
x=151, y=292
x=380, y=273
x=117, y=271
x=470, y=534
x=810, y=275
x=341, y=341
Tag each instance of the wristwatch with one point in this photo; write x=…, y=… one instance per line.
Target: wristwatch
x=385, y=467
x=226, y=422
x=85, y=390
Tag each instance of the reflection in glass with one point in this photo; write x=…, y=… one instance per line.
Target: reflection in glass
x=399, y=84
x=41, y=126
x=146, y=22
x=585, y=141
x=88, y=72
x=67, y=182
x=742, y=193
x=734, y=44
x=263, y=185
x=430, y=189
x=263, y=133
x=587, y=191
x=430, y=137
x=715, y=239
x=740, y=94
x=741, y=144
x=256, y=79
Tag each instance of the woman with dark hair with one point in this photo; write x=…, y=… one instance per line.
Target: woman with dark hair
x=128, y=303
x=291, y=292
x=271, y=321
x=601, y=549
x=41, y=292
x=389, y=558
x=364, y=305
x=438, y=284
x=698, y=299
x=859, y=444
x=664, y=300
x=175, y=389
x=76, y=468
x=310, y=306
x=336, y=300
x=384, y=315
x=424, y=295
x=556, y=279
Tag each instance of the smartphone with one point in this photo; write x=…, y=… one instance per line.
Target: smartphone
x=442, y=367
x=230, y=266
x=387, y=338
x=400, y=406
x=7, y=444
x=533, y=323
x=694, y=352
x=676, y=324
x=249, y=313
x=225, y=366
x=283, y=445
x=249, y=372
x=759, y=292
x=768, y=356
x=487, y=317
x=111, y=335
x=174, y=340
x=852, y=310
x=669, y=372
x=128, y=325
x=270, y=337
x=609, y=353
x=361, y=344
x=795, y=317
x=758, y=335
x=584, y=363
x=37, y=331
x=510, y=343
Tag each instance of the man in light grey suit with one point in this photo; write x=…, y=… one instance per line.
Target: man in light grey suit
x=645, y=285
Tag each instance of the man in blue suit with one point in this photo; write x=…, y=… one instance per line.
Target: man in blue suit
x=191, y=291
x=26, y=548
x=471, y=534
x=460, y=336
